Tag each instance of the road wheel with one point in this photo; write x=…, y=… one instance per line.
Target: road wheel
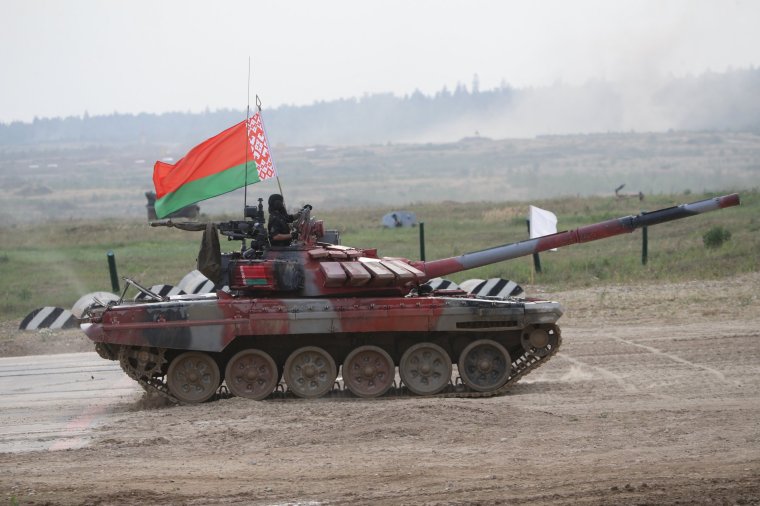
x=193, y=377
x=310, y=372
x=368, y=371
x=425, y=368
x=251, y=374
x=484, y=365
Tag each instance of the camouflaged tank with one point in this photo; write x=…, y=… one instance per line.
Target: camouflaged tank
x=292, y=318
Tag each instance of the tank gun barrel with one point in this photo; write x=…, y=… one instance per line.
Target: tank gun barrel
x=588, y=233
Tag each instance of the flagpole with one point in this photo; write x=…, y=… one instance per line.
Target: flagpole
x=247, y=142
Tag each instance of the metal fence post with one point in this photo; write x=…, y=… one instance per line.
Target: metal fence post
x=422, y=241
x=644, y=245
x=112, y=270
x=536, y=258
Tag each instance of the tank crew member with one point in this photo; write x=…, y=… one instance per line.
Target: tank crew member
x=279, y=222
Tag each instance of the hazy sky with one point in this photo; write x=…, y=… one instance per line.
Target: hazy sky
x=61, y=58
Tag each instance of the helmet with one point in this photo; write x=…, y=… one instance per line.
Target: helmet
x=275, y=201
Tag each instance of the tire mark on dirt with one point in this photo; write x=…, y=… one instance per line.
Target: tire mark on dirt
x=719, y=375
x=605, y=373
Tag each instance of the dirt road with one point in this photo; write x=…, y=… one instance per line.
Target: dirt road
x=654, y=398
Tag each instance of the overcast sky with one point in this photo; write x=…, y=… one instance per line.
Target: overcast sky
x=61, y=58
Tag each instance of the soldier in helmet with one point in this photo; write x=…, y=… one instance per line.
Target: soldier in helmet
x=279, y=222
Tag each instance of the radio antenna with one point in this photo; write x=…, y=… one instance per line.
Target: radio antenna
x=247, y=139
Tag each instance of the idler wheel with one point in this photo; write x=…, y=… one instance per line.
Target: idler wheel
x=425, y=368
x=251, y=374
x=193, y=377
x=484, y=365
x=310, y=372
x=368, y=371
x=540, y=341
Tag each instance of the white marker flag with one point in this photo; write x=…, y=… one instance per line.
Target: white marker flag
x=542, y=222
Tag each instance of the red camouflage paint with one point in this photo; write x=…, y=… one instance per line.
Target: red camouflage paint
x=370, y=301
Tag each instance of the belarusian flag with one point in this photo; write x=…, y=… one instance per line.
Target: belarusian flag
x=214, y=167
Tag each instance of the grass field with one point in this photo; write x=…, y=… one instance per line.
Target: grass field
x=54, y=263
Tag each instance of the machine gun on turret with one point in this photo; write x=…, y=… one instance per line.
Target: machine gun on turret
x=251, y=228
x=215, y=265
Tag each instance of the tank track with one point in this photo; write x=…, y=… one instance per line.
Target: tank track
x=151, y=384
x=523, y=365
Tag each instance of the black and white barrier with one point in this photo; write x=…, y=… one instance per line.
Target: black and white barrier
x=442, y=284
x=90, y=300
x=49, y=318
x=162, y=290
x=195, y=282
x=495, y=287
x=469, y=285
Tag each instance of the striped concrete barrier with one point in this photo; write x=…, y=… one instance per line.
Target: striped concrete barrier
x=195, y=282
x=442, y=284
x=162, y=290
x=469, y=285
x=496, y=287
x=49, y=317
x=88, y=301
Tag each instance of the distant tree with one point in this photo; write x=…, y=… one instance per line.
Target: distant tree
x=710, y=101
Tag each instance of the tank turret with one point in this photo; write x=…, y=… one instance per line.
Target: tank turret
x=296, y=314
x=311, y=268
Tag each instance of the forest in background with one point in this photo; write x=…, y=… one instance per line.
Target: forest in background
x=712, y=101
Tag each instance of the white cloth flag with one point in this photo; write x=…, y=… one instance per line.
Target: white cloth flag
x=542, y=222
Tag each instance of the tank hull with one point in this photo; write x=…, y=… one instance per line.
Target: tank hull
x=222, y=327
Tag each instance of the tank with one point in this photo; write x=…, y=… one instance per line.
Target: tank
x=286, y=320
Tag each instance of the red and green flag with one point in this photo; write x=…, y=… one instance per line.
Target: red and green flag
x=223, y=163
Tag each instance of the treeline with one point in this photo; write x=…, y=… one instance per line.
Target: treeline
x=712, y=101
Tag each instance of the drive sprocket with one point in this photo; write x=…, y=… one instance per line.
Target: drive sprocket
x=142, y=362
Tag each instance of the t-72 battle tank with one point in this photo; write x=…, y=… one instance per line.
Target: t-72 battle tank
x=298, y=313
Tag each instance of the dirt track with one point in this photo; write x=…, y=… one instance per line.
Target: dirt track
x=654, y=398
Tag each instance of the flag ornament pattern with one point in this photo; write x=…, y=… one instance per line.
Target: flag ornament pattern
x=231, y=159
x=260, y=147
